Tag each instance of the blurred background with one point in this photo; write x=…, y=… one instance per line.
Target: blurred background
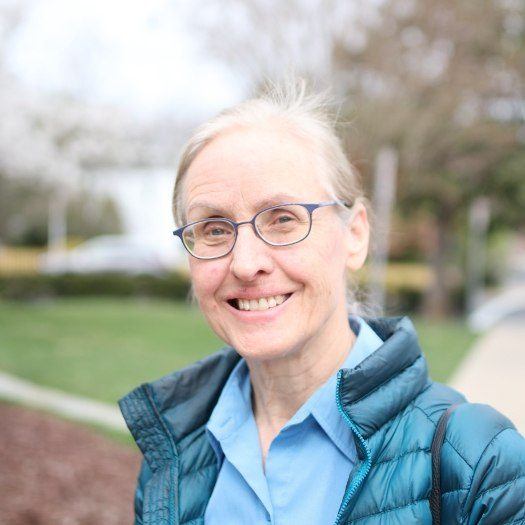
x=96, y=100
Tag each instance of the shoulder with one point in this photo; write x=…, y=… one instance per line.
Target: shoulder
x=202, y=378
x=495, y=452
x=209, y=368
x=472, y=428
x=483, y=457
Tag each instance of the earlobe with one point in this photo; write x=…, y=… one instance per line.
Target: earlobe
x=357, y=237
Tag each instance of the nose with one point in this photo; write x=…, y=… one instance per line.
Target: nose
x=250, y=256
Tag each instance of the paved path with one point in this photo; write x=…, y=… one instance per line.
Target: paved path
x=73, y=407
x=494, y=370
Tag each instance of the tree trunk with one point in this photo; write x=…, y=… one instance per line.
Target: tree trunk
x=437, y=298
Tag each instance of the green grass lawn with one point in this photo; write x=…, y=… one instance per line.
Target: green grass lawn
x=444, y=343
x=102, y=348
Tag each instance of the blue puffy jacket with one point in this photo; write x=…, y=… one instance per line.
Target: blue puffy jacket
x=390, y=405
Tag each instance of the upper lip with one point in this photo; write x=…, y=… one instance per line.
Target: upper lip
x=254, y=295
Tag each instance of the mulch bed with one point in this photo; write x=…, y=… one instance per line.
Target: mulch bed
x=54, y=472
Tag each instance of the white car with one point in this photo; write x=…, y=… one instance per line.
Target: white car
x=115, y=253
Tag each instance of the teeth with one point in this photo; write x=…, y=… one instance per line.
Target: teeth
x=264, y=303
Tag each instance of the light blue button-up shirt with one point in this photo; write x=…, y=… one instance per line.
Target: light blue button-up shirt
x=307, y=464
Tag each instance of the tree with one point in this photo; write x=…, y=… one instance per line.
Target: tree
x=439, y=80
x=450, y=76
x=51, y=142
x=24, y=212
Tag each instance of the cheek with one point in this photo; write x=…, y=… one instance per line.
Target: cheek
x=333, y=252
x=325, y=268
x=206, y=277
x=317, y=269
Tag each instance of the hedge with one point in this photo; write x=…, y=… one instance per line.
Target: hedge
x=175, y=286
x=170, y=286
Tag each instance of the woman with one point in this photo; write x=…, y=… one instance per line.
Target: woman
x=312, y=414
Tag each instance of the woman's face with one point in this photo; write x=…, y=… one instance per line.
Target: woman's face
x=235, y=176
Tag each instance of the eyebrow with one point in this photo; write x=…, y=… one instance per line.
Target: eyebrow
x=278, y=198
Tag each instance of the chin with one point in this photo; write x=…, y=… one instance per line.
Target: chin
x=261, y=349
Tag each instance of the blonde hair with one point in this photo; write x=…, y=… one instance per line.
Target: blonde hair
x=305, y=114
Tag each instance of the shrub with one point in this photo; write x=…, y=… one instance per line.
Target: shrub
x=171, y=286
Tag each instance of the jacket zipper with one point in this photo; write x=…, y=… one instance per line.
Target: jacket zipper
x=365, y=467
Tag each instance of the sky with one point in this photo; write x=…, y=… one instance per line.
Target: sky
x=136, y=54
x=139, y=55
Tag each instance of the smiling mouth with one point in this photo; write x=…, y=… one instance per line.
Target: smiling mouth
x=257, y=305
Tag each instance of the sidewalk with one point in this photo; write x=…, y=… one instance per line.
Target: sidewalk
x=73, y=407
x=494, y=371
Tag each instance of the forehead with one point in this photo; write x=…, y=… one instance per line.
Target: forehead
x=248, y=168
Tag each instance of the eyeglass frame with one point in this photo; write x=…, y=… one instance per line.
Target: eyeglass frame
x=310, y=207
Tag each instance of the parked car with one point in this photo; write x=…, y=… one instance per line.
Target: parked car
x=115, y=253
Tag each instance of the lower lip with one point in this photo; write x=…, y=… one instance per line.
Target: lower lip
x=259, y=316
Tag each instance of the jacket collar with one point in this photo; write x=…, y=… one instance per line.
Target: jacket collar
x=162, y=414
x=386, y=382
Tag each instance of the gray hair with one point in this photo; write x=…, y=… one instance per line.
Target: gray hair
x=305, y=114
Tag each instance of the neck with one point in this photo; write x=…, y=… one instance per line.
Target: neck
x=281, y=386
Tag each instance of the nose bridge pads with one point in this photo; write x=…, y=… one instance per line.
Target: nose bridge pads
x=255, y=239
x=251, y=227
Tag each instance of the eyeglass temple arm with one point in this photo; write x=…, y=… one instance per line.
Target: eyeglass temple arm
x=341, y=203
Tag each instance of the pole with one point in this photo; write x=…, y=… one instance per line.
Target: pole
x=383, y=203
x=479, y=217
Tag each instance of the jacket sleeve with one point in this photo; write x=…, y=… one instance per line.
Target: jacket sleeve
x=144, y=475
x=497, y=491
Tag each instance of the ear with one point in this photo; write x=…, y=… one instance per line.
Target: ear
x=357, y=237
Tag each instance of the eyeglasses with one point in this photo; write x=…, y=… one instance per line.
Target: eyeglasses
x=280, y=225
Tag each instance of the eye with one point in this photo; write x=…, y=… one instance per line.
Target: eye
x=278, y=218
x=281, y=217
x=215, y=229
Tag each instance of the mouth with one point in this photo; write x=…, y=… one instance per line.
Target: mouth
x=259, y=304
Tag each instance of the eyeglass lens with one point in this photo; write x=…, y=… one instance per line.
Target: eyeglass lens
x=277, y=226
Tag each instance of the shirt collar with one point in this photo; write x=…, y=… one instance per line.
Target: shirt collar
x=234, y=405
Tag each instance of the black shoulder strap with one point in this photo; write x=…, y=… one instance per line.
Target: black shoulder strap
x=437, y=443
